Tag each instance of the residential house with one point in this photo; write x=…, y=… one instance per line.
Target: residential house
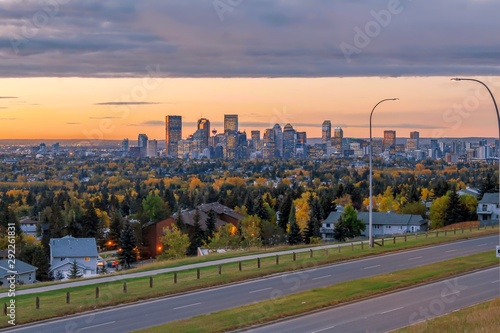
x=28, y=226
x=488, y=208
x=153, y=231
x=25, y=273
x=64, y=251
x=382, y=223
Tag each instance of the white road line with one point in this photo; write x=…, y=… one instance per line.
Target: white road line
x=108, y=323
x=482, y=244
x=496, y=281
x=186, y=306
x=324, y=329
x=256, y=291
x=453, y=293
x=415, y=258
x=321, y=277
x=402, y=307
x=372, y=267
x=451, y=251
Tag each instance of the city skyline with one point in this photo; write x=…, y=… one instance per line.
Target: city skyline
x=434, y=106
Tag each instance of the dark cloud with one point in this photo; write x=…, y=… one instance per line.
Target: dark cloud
x=6, y=97
x=126, y=103
x=153, y=123
x=72, y=123
x=106, y=117
x=258, y=38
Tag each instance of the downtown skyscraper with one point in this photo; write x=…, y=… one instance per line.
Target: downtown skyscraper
x=173, y=134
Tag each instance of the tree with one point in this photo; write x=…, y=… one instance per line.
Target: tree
x=115, y=228
x=348, y=226
x=260, y=209
x=175, y=243
x=59, y=276
x=91, y=223
x=179, y=222
x=456, y=211
x=294, y=236
x=415, y=208
x=284, y=211
x=314, y=223
x=251, y=231
x=437, y=212
x=128, y=252
x=154, y=208
x=196, y=236
x=488, y=185
x=34, y=254
x=471, y=204
x=210, y=223
x=226, y=237
x=74, y=271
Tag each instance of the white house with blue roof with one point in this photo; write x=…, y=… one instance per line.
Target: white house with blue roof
x=64, y=251
x=24, y=272
x=382, y=224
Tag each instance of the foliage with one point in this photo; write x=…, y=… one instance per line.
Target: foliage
x=34, y=254
x=210, y=223
x=437, y=212
x=154, y=207
x=294, y=235
x=74, y=271
x=196, y=236
x=348, y=225
x=128, y=253
x=175, y=243
x=226, y=237
x=251, y=231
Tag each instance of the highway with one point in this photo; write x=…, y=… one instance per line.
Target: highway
x=399, y=309
x=149, y=313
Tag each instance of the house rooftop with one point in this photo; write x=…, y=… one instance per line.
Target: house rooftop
x=73, y=247
x=20, y=268
x=382, y=218
x=489, y=198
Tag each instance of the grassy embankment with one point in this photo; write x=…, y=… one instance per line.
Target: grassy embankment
x=300, y=303
x=53, y=303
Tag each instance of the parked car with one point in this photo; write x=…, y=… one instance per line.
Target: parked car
x=112, y=264
x=100, y=262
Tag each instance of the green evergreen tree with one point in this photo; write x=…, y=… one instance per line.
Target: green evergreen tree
x=210, y=223
x=456, y=211
x=294, y=235
x=74, y=271
x=34, y=254
x=115, y=228
x=284, y=211
x=196, y=236
x=179, y=222
x=260, y=209
x=128, y=252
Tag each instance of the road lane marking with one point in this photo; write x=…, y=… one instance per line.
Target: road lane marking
x=453, y=293
x=451, y=251
x=482, y=244
x=419, y=257
x=257, y=291
x=402, y=307
x=108, y=323
x=322, y=277
x=324, y=329
x=372, y=267
x=496, y=281
x=186, y=306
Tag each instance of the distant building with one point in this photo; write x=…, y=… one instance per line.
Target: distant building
x=152, y=148
x=28, y=226
x=173, y=134
x=255, y=137
x=55, y=148
x=268, y=144
x=338, y=136
x=278, y=140
x=488, y=208
x=416, y=137
x=389, y=139
x=204, y=127
x=125, y=146
x=24, y=272
x=326, y=132
x=289, y=141
x=142, y=143
x=230, y=123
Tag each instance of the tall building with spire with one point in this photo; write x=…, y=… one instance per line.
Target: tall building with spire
x=173, y=134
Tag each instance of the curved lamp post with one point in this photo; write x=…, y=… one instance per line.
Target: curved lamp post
x=370, y=220
x=496, y=109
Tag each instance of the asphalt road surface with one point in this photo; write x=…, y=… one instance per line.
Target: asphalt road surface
x=396, y=310
x=149, y=313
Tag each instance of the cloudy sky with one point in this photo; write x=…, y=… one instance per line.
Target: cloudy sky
x=73, y=63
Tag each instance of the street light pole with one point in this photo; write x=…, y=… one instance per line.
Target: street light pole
x=370, y=220
x=498, y=116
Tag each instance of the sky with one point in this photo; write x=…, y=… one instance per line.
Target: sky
x=112, y=69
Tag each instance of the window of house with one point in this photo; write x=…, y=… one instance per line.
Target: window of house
x=388, y=227
x=485, y=208
x=29, y=277
x=87, y=259
x=328, y=225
